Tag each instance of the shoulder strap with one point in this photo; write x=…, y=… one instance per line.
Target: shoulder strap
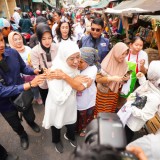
x=44, y=60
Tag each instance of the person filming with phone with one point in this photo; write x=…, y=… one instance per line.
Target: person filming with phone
x=111, y=78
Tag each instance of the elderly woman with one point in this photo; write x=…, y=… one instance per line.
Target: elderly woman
x=61, y=105
x=149, y=88
x=109, y=81
x=86, y=99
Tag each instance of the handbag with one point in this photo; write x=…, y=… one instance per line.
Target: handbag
x=24, y=101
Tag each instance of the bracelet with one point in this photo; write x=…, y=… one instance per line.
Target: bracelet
x=30, y=84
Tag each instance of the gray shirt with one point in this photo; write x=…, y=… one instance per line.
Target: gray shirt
x=150, y=145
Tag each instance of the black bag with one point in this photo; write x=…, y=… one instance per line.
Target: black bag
x=24, y=100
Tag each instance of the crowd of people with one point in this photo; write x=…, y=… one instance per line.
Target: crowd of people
x=73, y=72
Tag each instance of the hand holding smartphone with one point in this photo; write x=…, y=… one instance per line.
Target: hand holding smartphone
x=128, y=73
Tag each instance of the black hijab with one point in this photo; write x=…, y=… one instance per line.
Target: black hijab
x=40, y=30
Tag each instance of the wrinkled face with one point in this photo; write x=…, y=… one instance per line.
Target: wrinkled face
x=64, y=29
x=82, y=65
x=56, y=17
x=46, y=39
x=18, y=40
x=2, y=44
x=136, y=46
x=96, y=30
x=6, y=31
x=122, y=57
x=73, y=60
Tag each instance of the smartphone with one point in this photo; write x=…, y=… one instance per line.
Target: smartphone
x=41, y=70
x=128, y=73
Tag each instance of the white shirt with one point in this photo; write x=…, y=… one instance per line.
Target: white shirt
x=79, y=31
x=142, y=55
x=54, y=29
x=150, y=144
x=16, y=17
x=140, y=116
x=25, y=54
x=87, y=98
x=88, y=24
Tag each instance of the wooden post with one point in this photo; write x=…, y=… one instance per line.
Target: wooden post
x=126, y=26
x=8, y=13
x=158, y=38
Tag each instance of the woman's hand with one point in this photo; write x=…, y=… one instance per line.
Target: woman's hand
x=56, y=74
x=36, y=71
x=141, y=63
x=139, y=75
x=38, y=80
x=139, y=153
x=115, y=79
x=126, y=78
x=82, y=79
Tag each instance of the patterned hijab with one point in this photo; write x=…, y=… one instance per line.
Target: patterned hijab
x=90, y=56
x=112, y=66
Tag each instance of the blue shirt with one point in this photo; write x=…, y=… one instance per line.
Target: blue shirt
x=101, y=44
x=13, y=80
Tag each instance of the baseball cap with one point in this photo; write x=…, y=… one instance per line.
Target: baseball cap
x=16, y=8
x=4, y=23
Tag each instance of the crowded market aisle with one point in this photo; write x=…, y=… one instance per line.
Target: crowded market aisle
x=40, y=147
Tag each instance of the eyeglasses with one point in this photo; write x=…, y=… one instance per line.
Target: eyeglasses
x=95, y=29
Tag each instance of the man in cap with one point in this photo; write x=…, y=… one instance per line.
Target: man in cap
x=5, y=28
x=16, y=15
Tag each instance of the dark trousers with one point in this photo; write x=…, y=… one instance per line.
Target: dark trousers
x=14, y=121
x=43, y=93
x=129, y=134
x=56, y=133
x=3, y=153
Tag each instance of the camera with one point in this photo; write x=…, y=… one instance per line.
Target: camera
x=107, y=130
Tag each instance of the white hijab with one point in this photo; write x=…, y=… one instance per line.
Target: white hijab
x=153, y=73
x=60, y=62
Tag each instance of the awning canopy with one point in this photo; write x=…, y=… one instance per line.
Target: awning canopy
x=38, y=1
x=44, y=1
x=48, y=3
x=101, y=4
x=135, y=6
x=88, y=3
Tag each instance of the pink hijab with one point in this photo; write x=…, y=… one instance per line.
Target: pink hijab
x=12, y=43
x=112, y=67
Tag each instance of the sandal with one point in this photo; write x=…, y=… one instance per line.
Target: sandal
x=82, y=133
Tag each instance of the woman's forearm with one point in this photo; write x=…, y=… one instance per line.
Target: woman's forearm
x=75, y=83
